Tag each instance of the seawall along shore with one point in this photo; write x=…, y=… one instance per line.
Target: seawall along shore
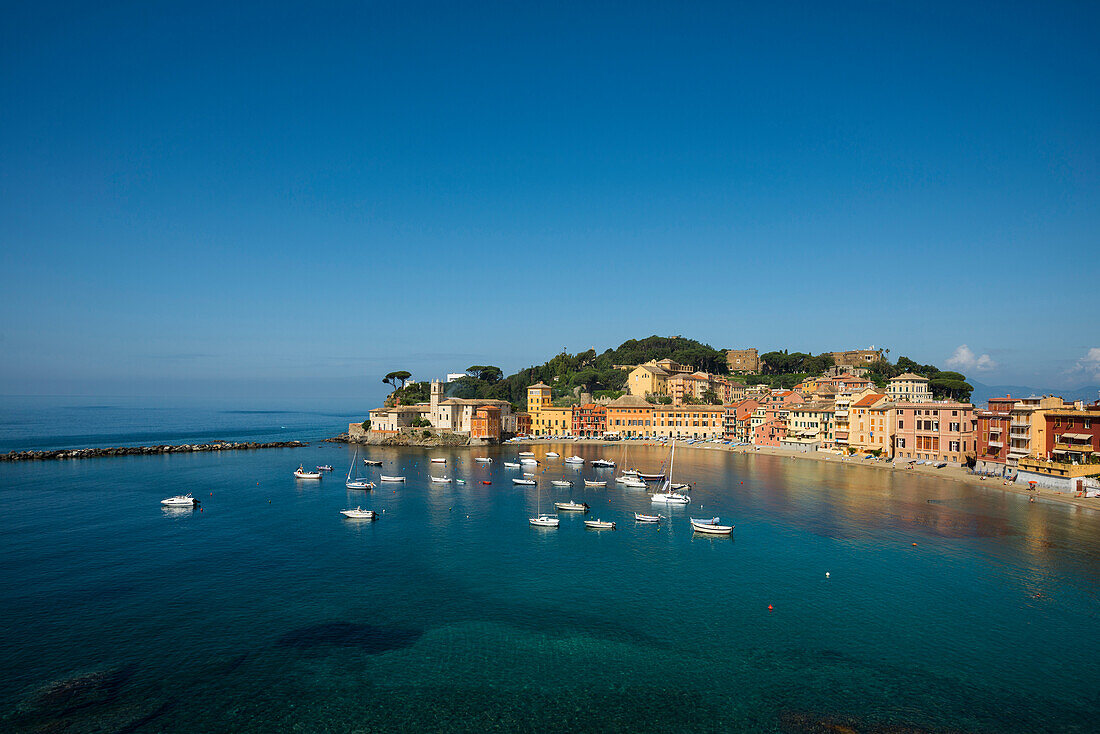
x=97, y=453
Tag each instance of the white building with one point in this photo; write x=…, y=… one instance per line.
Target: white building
x=909, y=388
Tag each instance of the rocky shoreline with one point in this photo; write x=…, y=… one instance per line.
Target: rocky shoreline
x=403, y=439
x=146, y=450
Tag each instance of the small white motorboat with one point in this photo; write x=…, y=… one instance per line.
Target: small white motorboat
x=632, y=482
x=545, y=521
x=591, y=483
x=439, y=461
x=301, y=473
x=529, y=462
x=370, y=462
x=651, y=477
x=526, y=453
x=324, y=467
x=639, y=517
x=572, y=506
x=460, y=481
x=599, y=525
x=440, y=480
x=574, y=460
x=483, y=459
x=680, y=487
x=525, y=482
x=560, y=483
x=630, y=472
x=182, y=500
x=603, y=464
x=552, y=454
x=358, y=514
x=511, y=465
x=384, y=478
x=711, y=528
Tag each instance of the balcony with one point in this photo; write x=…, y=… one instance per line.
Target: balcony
x=997, y=444
x=1020, y=424
x=1024, y=432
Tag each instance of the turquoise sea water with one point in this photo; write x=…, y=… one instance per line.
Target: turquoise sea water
x=268, y=611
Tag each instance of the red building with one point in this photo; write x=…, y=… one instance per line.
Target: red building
x=992, y=440
x=738, y=419
x=589, y=421
x=1073, y=435
x=523, y=424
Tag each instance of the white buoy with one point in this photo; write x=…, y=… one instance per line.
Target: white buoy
x=826, y=574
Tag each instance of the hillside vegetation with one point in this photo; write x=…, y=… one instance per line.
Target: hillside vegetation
x=589, y=371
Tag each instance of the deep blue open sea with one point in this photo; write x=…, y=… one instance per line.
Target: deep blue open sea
x=947, y=607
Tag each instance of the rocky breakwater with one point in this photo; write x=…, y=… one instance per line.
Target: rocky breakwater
x=412, y=437
x=146, y=450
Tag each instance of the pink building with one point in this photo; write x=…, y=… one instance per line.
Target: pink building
x=770, y=433
x=937, y=431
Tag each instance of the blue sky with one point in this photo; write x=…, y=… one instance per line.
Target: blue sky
x=281, y=200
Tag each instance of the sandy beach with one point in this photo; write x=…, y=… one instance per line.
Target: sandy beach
x=948, y=473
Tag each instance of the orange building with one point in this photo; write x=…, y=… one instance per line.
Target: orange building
x=523, y=424
x=630, y=416
x=485, y=425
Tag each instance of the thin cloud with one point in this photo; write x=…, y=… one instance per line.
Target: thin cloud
x=965, y=359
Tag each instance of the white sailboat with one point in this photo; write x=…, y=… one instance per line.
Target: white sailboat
x=358, y=482
x=667, y=495
x=540, y=520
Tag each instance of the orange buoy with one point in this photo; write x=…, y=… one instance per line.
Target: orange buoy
x=769, y=607
x=914, y=543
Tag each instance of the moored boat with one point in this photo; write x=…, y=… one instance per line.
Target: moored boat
x=301, y=473
x=603, y=464
x=574, y=460
x=639, y=517
x=511, y=465
x=572, y=506
x=545, y=521
x=526, y=453
x=592, y=483
x=371, y=462
x=667, y=495
x=181, y=500
x=560, y=483
x=358, y=514
x=599, y=525
x=483, y=459
x=356, y=482
x=525, y=482
x=529, y=462
x=324, y=467
x=651, y=477
x=384, y=478
x=439, y=460
x=440, y=480
x=711, y=528
x=552, y=454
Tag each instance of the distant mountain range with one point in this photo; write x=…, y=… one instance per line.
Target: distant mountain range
x=982, y=393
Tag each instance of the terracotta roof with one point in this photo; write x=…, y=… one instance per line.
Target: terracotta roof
x=868, y=400
x=539, y=384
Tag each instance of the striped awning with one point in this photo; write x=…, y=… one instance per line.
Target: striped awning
x=1076, y=436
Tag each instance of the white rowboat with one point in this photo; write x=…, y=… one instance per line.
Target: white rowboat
x=384, y=478
x=711, y=529
x=560, y=483
x=639, y=517
x=590, y=483
x=599, y=525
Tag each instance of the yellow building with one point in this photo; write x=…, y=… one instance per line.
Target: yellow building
x=547, y=420
x=647, y=379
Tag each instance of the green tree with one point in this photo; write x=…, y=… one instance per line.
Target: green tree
x=485, y=372
x=710, y=397
x=395, y=377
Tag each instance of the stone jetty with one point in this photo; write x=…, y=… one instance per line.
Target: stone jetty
x=146, y=450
